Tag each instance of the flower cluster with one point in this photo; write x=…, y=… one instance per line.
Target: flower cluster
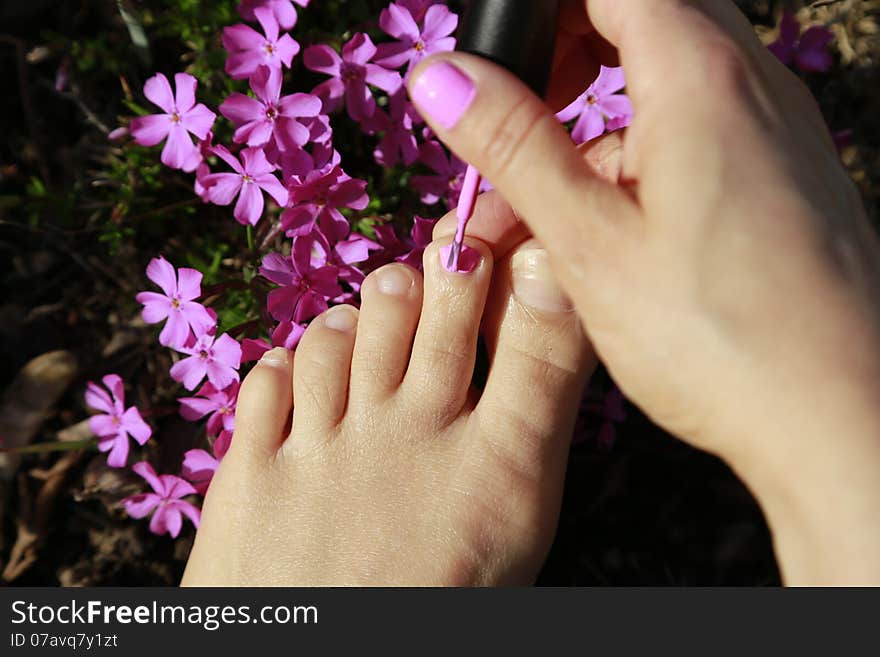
x=281, y=173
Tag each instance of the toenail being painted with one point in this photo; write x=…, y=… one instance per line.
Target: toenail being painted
x=467, y=261
x=278, y=357
x=340, y=318
x=393, y=281
x=534, y=284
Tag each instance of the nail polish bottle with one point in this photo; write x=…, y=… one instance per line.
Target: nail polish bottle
x=519, y=35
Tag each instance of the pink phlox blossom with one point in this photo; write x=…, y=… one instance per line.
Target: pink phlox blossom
x=177, y=306
x=420, y=237
x=115, y=424
x=304, y=290
x=414, y=43
x=182, y=117
x=253, y=175
x=283, y=11
x=317, y=199
x=808, y=51
x=599, y=101
x=398, y=140
x=248, y=49
x=218, y=358
x=285, y=334
x=166, y=502
x=219, y=404
x=448, y=179
x=199, y=466
x=270, y=117
x=350, y=74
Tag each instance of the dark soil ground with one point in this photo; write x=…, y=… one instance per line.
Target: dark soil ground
x=646, y=510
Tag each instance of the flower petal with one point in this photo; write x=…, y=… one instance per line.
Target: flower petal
x=158, y=91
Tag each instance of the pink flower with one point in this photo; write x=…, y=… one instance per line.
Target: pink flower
x=316, y=200
x=808, y=51
x=600, y=100
x=176, y=305
x=218, y=358
x=286, y=334
x=269, y=117
x=414, y=44
x=182, y=117
x=418, y=8
x=253, y=175
x=421, y=235
x=199, y=466
x=283, y=11
x=116, y=424
x=398, y=141
x=164, y=502
x=447, y=182
x=350, y=75
x=305, y=289
x=248, y=49
x=219, y=403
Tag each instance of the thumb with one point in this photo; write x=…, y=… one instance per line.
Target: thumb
x=493, y=121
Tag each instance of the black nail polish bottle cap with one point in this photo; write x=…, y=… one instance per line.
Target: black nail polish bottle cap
x=520, y=35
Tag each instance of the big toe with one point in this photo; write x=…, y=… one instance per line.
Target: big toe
x=540, y=362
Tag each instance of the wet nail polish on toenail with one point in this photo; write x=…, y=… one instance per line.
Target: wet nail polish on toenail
x=534, y=283
x=340, y=318
x=393, y=281
x=467, y=261
x=278, y=357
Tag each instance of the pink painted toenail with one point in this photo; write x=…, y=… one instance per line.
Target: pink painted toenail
x=278, y=357
x=393, y=281
x=340, y=318
x=467, y=261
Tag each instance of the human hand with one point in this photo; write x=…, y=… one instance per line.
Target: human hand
x=721, y=262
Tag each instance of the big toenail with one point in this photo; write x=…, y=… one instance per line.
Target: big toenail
x=393, y=281
x=340, y=318
x=534, y=283
x=278, y=357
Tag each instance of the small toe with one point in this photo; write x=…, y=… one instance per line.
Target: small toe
x=540, y=362
x=265, y=403
x=445, y=346
x=391, y=299
x=322, y=369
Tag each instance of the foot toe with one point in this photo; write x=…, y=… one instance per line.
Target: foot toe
x=265, y=403
x=322, y=368
x=444, y=350
x=391, y=300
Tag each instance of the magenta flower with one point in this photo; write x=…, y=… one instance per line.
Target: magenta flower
x=599, y=101
x=269, y=117
x=182, y=117
x=421, y=235
x=283, y=11
x=248, y=49
x=177, y=305
x=253, y=175
x=286, y=334
x=417, y=8
x=218, y=358
x=116, y=423
x=448, y=179
x=349, y=76
x=220, y=404
x=305, y=289
x=316, y=200
x=398, y=141
x=414, y=43
x=164, y=502
x=199, y=466
x=808, y=51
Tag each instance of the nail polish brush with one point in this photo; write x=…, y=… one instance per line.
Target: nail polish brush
x=519, y=35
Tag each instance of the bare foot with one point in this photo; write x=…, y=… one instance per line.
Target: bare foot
x=393, y=469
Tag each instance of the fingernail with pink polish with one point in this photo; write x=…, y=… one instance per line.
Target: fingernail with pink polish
x=443, y=92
